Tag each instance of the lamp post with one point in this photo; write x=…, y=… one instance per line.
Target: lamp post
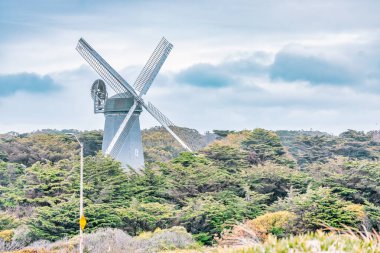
x=81, y=216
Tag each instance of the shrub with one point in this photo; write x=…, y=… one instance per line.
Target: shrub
x=373, y=212
x=208, y=215
x=146, y=216
x=258, y=229
x=107, y=240
x=275, y=180
x=7, y=221
x=319, y=208
x=277, y=223
x=14, y=239
x=53, y=223
x=117, y=241
x=165, y=239
x=360, y=215
x=6, y=235
x=267, y=145
x=355, y=181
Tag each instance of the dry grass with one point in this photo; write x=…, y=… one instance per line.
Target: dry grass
x=346, y=242
x=117, y=241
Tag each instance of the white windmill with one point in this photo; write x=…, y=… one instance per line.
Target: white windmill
x=122, y=133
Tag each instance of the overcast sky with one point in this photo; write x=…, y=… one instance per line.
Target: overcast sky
x=235, y=64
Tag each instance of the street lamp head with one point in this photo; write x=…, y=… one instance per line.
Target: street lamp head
x=76, y=137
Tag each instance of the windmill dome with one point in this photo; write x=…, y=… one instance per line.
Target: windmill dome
x=120, y=103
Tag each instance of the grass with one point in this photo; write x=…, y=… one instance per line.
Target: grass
x=168, y=241
x=310, y=243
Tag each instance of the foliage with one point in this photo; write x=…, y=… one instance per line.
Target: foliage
x=308, y=147
x=256, y=230
x=356, y=181
x=191, y=176
x=267, y=145
x=208, y=215
x=318, y=208
x=9, y=172
x=7, y=221
x=229, y=157
x=246, y=148
x=6, y=235
x=38, y=147
x=222, y=133
x=275, y=181
x=139, y=217
x=237, y=178
x=159, y=145
x=277, y=223
x=373, y=213
x=92, y=142
x=14, y=239
x=61, y=220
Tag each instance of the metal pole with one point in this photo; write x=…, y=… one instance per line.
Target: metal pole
x=81, y=198
x=80, y=193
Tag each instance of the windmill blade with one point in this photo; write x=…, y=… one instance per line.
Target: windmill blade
x=164, y=121
x=152, y=67
x=108, y=74
x=123, y=128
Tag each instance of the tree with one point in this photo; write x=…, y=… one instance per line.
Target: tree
x=317, y=208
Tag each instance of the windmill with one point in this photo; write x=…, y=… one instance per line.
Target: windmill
x=122, y=133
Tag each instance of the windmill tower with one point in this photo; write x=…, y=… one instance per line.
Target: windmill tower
x=122, y=133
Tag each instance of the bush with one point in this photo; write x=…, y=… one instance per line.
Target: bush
x=146, y=216
x=208, y=215
x=355, y=181
x=14, y=239
x=277, y=223
x=7, y=221
x=6, y=235
x=275, y=180
x=117, y=241
x=319, y=208
x=239, y=235
x=53, y=223
x=253, y=231
x=267, y=145
x=165, y=239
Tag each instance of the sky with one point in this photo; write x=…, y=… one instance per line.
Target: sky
x=289, y=64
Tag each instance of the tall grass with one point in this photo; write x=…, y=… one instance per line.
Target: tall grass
x=337, y=241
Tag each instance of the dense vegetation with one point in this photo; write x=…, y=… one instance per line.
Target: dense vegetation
x=280, y=183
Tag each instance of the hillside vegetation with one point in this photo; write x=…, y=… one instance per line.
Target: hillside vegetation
x=238, y=188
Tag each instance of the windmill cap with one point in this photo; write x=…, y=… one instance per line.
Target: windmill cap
x=120, y=103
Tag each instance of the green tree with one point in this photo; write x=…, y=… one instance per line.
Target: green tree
x=139, y=217
x=317, y=208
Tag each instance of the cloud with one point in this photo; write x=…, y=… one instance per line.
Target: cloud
x=26, y=82
x=300, y=66
x=71, y=107
x=255, y=63
x=226, y=73
x=204, y=75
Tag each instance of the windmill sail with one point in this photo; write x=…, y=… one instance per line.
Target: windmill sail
x=109, y=75
x=152, y=67
x=165, y=122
